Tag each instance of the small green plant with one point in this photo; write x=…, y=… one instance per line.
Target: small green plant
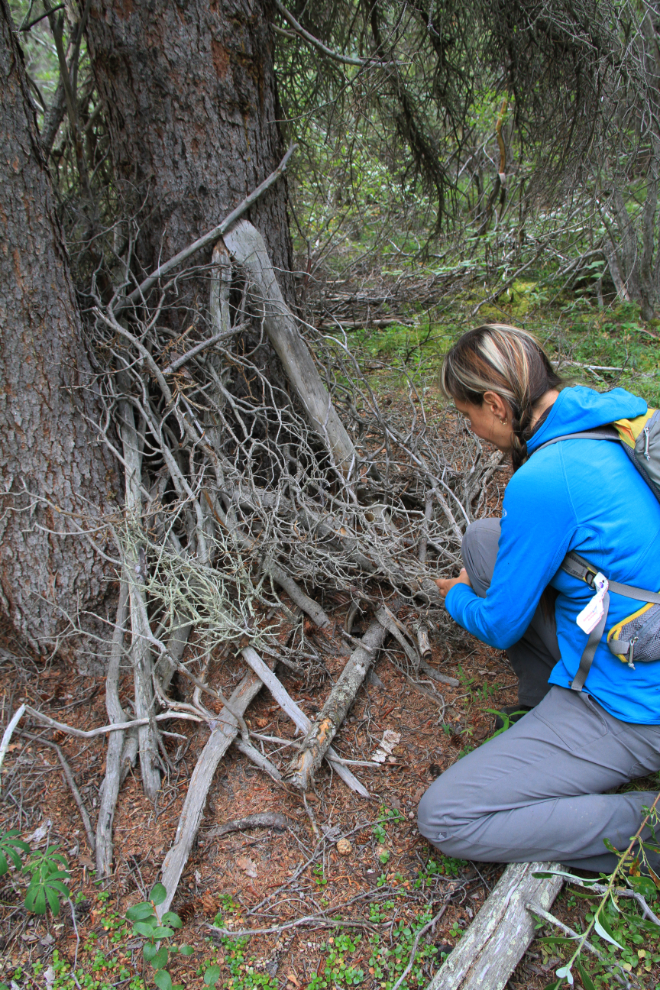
x=319, y=875
x=158, y=932
x=48, y=871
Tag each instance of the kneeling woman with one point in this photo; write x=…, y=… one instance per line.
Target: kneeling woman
x=536, y=792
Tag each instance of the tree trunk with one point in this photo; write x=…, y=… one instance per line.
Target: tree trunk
x=190, y=98
x=52, y=473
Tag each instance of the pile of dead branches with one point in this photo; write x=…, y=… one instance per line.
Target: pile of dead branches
x=259, y=492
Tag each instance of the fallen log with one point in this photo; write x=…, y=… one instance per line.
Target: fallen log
x=498, y=937
x=246, y=246
x=314, y=747
x=224, y=732
x=298, y=717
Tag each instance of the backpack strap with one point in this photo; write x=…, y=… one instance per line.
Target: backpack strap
x=578, y=567
x=598, y=433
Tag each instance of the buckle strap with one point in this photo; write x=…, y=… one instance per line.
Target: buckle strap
x=589, y=651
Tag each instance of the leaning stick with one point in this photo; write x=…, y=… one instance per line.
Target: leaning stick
x=247, y=248
x=302, y=768
x=113, y=761
x=9, y=731
x=298, y=717
x=71, y=781
x=498, y=937
x=167, y=266
x=224, y=732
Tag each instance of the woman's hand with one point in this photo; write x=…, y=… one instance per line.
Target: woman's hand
x=444, y=584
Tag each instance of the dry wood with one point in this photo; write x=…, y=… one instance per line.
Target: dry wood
x=496, y=940
x=135, y=565
x=246, y=245
x=103, y=729
x=298, y=717
x=423, y=644
x=223, y=734
x=264, y=819
x=7, y=734
x=137, y=294
x=435, y=675
x=302, y=768
x=71, y=781
x=113, y=763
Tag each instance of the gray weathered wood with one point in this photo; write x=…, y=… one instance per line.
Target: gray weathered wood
x=223, y=734
x=141, y=655
x=314, y=747
x=298, y=717
x=246, y=245
x=495, y=942
x=113, y=761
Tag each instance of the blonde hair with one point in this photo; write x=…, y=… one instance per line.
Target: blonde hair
x=506, y=360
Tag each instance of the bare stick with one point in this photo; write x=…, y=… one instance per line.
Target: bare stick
x=302, y=768
x=264, y=819
x=140, y=632
x=246, y=245
x=423, y=644
x=102, y=730
x=113, y=762
x=298, y=717
x=550, y=918
x=7, y=734
x=496, y=940
x=435, y=675
x=223, y=733
x=213, y=235
x=71, y=781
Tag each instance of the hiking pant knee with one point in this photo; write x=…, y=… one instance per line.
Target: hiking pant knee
x=536, y=791
x=537, y=651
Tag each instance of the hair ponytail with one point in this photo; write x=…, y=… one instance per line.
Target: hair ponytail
x=502, y=359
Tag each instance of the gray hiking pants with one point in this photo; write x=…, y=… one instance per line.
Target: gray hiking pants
x=535, y=792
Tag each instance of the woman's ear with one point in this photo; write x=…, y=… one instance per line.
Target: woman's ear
x=497, y=406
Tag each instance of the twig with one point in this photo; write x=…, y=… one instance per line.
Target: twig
x=7, y=734
x=70, y=779
x=297, y=715
x=413, y=951
x=102, y=730
x=201, y=242
x=264, y=819
x=550, y=918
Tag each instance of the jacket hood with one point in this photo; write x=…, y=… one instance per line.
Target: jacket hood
x=579, y=408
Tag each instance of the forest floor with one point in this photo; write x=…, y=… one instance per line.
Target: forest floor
x=364, y=908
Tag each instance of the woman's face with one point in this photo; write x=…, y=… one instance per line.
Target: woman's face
x=490, y=421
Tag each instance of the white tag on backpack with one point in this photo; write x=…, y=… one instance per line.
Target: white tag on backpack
x=592, y=612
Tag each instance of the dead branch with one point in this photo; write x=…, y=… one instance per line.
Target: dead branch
x=297, y=716
x=264, y=819
x=8, y=733
x=138, y=294
x=302, y=768
x=102, y=730
x=222, y=735
x=113, y=762
x=247, y=247
x=71, y=781
x=496, y=940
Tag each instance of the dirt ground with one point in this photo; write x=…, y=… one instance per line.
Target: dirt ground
x=268, y=877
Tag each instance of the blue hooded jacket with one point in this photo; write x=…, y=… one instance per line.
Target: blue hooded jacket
x=581, y=495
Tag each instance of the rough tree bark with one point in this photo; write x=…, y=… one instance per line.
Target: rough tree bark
x=52, y=473
x=190, y=98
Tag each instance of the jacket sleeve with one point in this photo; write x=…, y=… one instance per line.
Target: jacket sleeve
x=538, y=523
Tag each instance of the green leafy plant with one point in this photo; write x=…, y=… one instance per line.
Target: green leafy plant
x=157, y=933
x=48, y=871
